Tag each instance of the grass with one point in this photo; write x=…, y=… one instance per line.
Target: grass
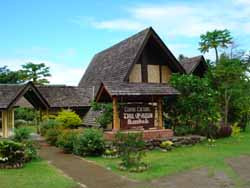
x=38, y=174
x=186, y=158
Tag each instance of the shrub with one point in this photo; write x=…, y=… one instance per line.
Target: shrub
x=22, y=133
x=131, y=147
x=30, y=151
x=11, y=152
x=235, y=129
x=20, y=122
x=225, y=131
x=110, y=153
x=52, y=136
x=66, y=140
x=166, y=145
x=106, y=113
x=182, y=130
x=27, y=114
x=48, y=124
x=89, y=143
x=69, y=119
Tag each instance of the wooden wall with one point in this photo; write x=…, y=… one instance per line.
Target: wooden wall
x=152, y=67
x=136, y=74
x=155, y=74
x=165, y=74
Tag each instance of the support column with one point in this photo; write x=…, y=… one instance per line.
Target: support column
x=160, y=113
x=10, y=115
x=116, y=121
x=5, y=124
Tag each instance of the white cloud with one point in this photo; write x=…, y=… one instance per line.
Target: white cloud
x=186, y=19
x=61, y=73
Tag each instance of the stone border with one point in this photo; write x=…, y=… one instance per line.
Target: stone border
x=12, y=166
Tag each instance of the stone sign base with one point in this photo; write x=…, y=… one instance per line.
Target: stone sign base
x=147, y=134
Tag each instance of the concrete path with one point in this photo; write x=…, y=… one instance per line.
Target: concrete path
x=86, y=173
x=90, y=175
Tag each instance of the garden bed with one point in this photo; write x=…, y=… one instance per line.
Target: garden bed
x=185, y=158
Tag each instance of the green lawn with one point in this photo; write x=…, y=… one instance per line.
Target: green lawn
x=37, y=174
x=181, y=159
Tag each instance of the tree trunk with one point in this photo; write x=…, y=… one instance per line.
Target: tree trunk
x=227, y=99
x=216, y=55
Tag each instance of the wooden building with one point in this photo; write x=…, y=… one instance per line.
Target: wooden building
x=133, y=75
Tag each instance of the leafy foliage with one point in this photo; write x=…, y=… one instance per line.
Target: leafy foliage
x=27, y=114
x=11, y=152
x=196, y=106
x=236, y=130
x=21, y=134
x=37, y=73
x=30, y=151
x=52, y=135
x=48, y=124
x=89, y=143
x=66, y=140
x=131, y=147
x=166, y=145
x=214, y=40
x=10, y=77
x=68, y=119
x=106, y=110
x=230, y=79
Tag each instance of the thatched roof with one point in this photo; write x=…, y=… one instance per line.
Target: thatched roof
x=61, y=96
x=48, y=96
x=91, y=117
x=115, y=63
x=140, y=89
x=10, y=94
x=190, y=64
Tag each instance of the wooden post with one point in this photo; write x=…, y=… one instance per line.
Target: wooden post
x=116, y=123
x=13, y=119
x=5, y=123
x=160, y=119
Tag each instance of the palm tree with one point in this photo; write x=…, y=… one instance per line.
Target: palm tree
x=214, y=40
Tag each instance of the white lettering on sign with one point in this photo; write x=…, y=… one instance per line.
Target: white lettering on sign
x=137, y=115
x=137, y=121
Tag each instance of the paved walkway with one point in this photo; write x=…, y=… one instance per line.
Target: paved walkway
x=90, y=175
x=86, y=173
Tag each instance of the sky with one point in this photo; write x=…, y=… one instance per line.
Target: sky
x=65, y=34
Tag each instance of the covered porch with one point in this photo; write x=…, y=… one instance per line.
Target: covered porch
x=137, y=107
x=10, y=95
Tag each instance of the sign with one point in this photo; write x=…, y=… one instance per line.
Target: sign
x=137, y=115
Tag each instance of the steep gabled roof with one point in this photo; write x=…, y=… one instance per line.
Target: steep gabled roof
x=61, y=96
x=116, y=62
x=11, y=93
x=190, y=64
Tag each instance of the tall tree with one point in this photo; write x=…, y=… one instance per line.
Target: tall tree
x=196, y=106
x=10, y=77
x=37, y=73
x=230, y=78
x=214, y=40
